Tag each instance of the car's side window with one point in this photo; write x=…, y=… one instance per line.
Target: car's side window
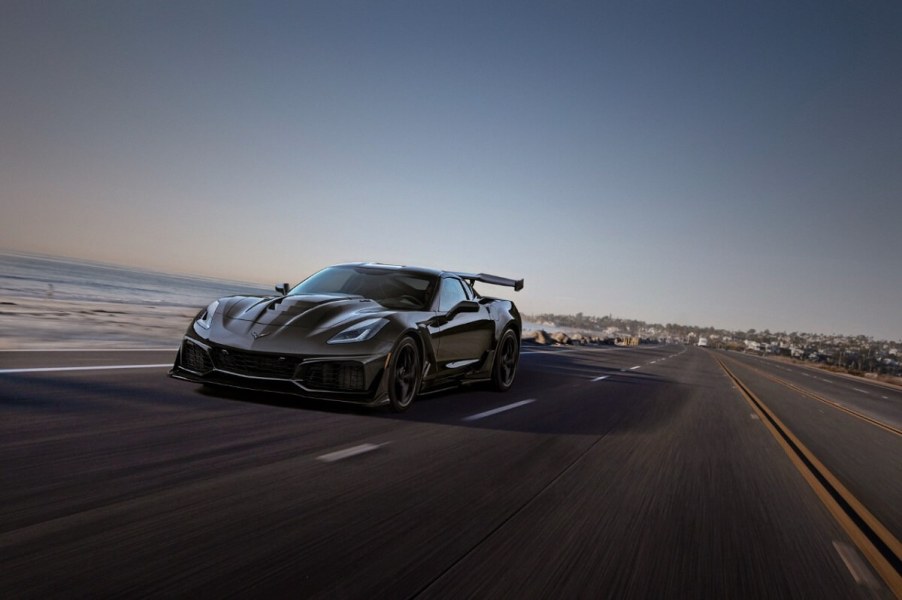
x=451, y=293
x=471, y=293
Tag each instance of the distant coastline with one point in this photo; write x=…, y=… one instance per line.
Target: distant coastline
x=49, y=302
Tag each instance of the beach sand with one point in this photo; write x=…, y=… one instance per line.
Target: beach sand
x=52, y=324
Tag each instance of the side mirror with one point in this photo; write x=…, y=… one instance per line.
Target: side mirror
x=464, y=306
x=283, y=288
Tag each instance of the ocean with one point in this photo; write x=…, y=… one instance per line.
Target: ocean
x=29, y=276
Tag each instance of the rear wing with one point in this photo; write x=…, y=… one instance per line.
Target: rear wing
x=517, y=284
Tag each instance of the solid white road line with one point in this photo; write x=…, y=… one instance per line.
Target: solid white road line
x=94, y=350
x=500, y=409
x=348, y=452
x=602, y=378
x=101, y=368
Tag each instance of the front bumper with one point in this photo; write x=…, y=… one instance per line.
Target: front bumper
x=354, y=379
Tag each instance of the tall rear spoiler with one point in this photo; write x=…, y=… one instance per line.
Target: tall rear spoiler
x=517, y=284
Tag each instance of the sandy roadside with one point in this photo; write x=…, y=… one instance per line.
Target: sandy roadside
x=43, y=324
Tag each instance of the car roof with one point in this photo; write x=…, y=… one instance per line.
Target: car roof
x=400, y=268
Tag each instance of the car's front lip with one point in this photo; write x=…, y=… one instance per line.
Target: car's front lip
x=371, y=391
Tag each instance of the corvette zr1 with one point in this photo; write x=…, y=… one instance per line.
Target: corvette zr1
x=365, y=333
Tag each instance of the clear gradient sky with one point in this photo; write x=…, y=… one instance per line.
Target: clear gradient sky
x=735, y=164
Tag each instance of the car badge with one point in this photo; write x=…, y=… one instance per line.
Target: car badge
x=258, y=335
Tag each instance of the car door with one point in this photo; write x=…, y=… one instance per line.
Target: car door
x=462, y=340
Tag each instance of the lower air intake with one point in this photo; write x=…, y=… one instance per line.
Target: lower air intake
x=254, y=364
x=333, y=376
x=194, y=358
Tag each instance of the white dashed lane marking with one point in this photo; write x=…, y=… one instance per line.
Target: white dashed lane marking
x=602, y=378
x=856, y=566
x=348, y=452
x=500, y=409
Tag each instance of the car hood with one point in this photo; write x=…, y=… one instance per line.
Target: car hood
x=301, y=324
x=313, y=313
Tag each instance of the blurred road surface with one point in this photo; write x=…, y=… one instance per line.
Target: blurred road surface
x=604, y=473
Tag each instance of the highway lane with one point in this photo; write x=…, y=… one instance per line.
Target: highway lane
x=877, y=400
x=605, y=472
x=865, y=457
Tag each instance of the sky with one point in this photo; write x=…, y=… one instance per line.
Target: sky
x=732, y=164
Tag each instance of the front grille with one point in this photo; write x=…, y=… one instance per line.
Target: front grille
x=194, y=358
x=334, y=376
x=254, y=364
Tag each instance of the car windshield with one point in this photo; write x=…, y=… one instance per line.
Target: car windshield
x=389, y=287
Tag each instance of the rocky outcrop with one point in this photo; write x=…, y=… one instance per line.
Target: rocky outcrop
x=543, y=338
x=560, y=337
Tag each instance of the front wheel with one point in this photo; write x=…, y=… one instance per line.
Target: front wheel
x=506, y=358
x=403, y=375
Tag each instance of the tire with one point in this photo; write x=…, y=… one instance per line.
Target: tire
x=404, y=372
x=504, y=369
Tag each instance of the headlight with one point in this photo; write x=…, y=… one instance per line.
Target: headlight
x=207, y=318
x=359, y=332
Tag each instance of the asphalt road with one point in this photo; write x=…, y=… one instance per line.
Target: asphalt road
x=604, y=473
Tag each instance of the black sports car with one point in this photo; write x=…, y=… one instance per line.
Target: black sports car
x=367, y=333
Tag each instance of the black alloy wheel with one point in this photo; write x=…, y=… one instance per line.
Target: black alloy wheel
x=404, y=375
x=506, y=359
